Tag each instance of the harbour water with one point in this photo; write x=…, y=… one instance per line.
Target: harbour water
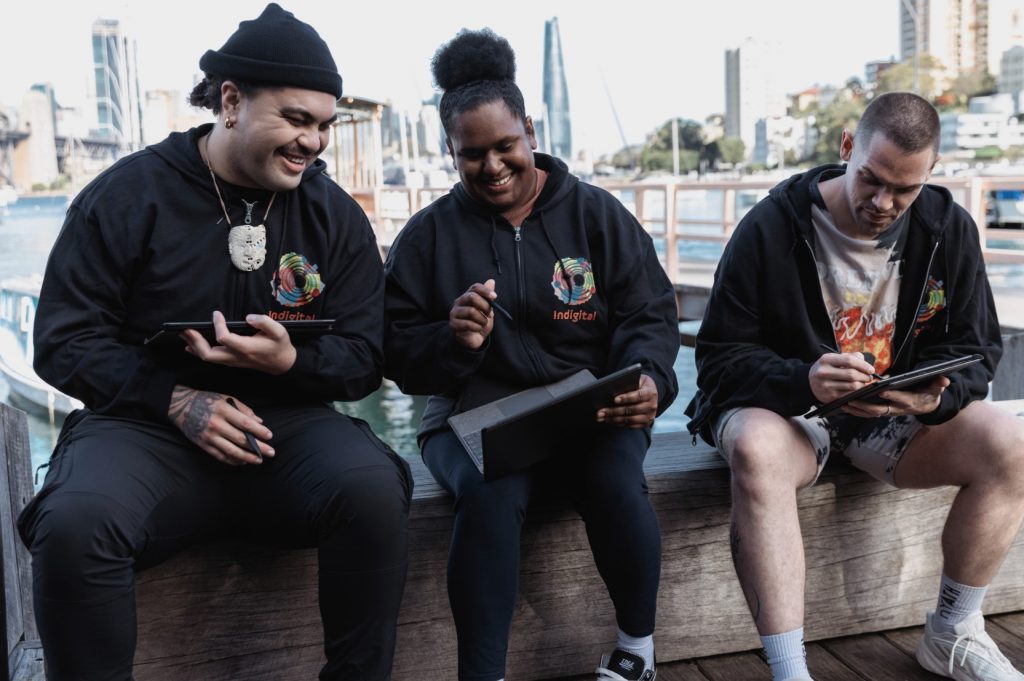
x=27, y=232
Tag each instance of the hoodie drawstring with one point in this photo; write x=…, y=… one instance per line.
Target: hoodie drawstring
x=558, y=258
x=494, y=248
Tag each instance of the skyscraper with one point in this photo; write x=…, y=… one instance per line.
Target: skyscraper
x=954, y=32
x=750, y=92
x=118, y=102
x=557, y=124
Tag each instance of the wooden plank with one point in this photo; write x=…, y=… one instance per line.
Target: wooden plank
x=874, y=657
x=1008, y=383
x=27, y=662
x=824, y=665
x=15, y=491
x=736, y=667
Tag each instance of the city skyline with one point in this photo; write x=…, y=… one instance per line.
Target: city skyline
x=655, y=61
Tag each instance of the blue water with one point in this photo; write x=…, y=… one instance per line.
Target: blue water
x=28, y=230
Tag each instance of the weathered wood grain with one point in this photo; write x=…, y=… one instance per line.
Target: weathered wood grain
x=874, y=657
x=236, y=610
x=15, y=492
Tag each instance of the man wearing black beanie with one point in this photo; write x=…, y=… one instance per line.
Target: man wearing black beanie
x=232, y=431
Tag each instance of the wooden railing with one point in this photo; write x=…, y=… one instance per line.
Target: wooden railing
x=681, y=215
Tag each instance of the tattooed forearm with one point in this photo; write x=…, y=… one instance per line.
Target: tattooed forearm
x=191, y=410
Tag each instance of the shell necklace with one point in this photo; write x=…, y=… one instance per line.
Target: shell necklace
x=247, y=243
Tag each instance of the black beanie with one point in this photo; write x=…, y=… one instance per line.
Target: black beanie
x=276, y=49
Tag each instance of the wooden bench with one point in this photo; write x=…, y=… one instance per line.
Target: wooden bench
x=244, y=612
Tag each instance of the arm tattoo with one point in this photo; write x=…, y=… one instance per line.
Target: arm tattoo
x=191, y=410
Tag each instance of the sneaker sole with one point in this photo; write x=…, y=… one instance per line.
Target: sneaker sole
x=927, y=659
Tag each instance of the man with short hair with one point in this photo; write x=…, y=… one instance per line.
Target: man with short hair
x=844, y=272
x=231, y=432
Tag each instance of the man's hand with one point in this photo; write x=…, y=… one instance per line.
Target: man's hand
x=216, y=427
x=472, y=317
x=902, y=402
x=270, y=350
x=635, y=409
x=835, y=375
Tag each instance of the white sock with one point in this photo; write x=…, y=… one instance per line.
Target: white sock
x=641, y=645
x=956, y=602
x=786, y=655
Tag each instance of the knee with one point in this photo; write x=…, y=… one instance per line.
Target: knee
x=758, y=458
x=375, y=497
x=79, y=541
x=1005, y=462
x=495, y=501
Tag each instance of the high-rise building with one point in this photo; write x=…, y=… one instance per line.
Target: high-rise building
x=750, y=92
x=1005, y=31
x=556, y=94
x=954, y=32
x=119, y=104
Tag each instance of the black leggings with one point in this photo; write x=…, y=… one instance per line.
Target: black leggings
x=603, y=478
x=121, y=495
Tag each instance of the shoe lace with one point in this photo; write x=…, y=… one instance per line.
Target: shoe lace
x=967, y=648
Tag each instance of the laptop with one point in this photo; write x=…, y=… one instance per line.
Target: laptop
x=516, y=431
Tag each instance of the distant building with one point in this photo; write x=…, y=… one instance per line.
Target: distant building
x=1005, y=24
x=118, y=100
x=429, y=131
x=873, y=70
x=990, y=122
x=35, y=159
x=955, y=32
x=165, y=112
x=781, y=135
x=750, y=92
x=556, y=94
x=1011, y=70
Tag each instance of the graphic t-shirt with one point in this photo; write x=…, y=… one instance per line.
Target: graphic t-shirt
x=860, y=282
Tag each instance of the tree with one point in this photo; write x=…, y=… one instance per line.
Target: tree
x=842, y=113
x=972, y=83
x=731, y=150
x=657, y=153
x=900, y=77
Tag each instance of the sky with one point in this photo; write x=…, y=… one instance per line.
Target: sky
x=649, y=59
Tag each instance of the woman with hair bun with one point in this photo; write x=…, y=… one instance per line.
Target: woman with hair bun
x=576, y=284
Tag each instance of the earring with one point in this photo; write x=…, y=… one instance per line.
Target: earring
x=229, y=123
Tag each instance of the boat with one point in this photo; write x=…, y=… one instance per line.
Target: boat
x=19, y=297
x=8, y=196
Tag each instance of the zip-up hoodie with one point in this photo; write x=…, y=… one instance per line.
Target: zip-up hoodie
x=766, y=317
x=580, y=278
x=145, y=243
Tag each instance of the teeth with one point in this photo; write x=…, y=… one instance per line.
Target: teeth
x=498, y=183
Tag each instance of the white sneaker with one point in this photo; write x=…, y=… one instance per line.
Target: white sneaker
x=966, y=654
x=623, y=665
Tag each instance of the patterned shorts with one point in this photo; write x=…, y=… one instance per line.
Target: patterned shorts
x=875, y=446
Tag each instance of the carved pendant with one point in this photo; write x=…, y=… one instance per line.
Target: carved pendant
x=247, y=246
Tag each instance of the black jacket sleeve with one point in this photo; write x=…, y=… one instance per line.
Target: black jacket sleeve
x=422, y=355
x=82, y=305
x=642, y=305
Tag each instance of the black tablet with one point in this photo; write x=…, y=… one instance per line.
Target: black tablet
x=899, y=381
x=298, y=329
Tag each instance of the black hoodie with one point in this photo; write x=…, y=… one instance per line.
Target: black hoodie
x=627, y=315
x=146, y=243
x=766, y=319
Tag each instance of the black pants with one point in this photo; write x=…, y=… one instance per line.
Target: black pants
x=122, y=495
x=604, y=479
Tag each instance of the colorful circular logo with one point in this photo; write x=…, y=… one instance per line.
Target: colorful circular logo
x=296, y=281
x=573, y=281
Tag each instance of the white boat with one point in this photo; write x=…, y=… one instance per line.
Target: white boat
x=7, y=196
x=18, y=299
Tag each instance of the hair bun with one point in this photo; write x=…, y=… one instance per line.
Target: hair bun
x=473, y=56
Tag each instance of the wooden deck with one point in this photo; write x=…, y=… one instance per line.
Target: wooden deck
x=887, y=656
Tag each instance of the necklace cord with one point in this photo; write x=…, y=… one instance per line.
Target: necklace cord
x=213, y=176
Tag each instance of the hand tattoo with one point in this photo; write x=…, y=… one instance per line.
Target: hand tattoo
x=191, y=410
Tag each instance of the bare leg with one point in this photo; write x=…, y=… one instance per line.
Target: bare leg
x=981, y=450
x=771, y=459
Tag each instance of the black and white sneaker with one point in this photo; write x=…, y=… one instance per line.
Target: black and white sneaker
x=622, y=665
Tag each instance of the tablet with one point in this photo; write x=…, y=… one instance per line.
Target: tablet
x=899, y=381
x=516, y=431
x=298, y=329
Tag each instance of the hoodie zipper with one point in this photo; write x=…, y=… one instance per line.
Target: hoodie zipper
x=920, y=298
x=521, y=285
x=824, y=307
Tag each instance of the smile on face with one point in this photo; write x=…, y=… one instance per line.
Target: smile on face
x=493, y=152
x=881, y=182
x=278, y=134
